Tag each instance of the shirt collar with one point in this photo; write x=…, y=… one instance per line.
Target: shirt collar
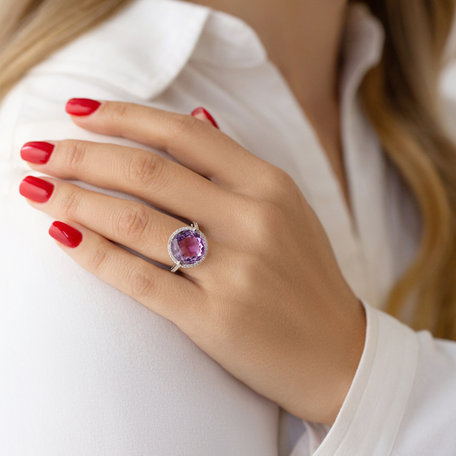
x=143, y=48
x=140, y=50
x=362, y=47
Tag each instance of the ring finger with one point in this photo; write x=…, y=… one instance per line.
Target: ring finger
x=129, y=223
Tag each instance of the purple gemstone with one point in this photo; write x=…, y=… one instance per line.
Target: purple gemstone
x=188, y=247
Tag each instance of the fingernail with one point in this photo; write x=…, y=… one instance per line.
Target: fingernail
x=202, y=112
x=65, y=234
x=37, y=151
x=36, y=189
x=81, y=106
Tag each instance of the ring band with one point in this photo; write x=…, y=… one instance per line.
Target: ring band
x=187, y=247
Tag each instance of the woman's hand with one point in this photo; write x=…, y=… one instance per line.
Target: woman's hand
x=268, y=303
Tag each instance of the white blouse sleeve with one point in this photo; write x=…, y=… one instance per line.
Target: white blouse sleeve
x=402, y=400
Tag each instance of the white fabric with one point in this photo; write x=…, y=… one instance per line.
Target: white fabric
x=86, y=370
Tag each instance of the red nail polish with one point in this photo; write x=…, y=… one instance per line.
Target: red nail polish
x=66, y=234
x=81, y=106
x=36, y=189
x=37, y=151
x=201, y=110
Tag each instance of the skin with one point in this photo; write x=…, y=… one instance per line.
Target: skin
x=307, y=55
x=282, y=319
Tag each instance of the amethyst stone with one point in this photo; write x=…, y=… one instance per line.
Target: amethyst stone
x=188, y=246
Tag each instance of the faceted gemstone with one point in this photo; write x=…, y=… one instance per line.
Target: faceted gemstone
x=188, y=247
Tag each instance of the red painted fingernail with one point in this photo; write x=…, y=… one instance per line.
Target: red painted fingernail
x=37, y=151
x=81, y=106
x=201, y=110
x=36, y=189
x=66, y=234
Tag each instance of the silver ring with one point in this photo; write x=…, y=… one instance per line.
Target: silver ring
x=187, y=247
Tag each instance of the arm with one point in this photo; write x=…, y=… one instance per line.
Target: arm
x=402, y=400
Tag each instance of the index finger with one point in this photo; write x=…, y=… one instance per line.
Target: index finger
x=197, y=145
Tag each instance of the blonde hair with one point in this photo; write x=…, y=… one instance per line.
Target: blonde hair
x=30, y=30
x=400, y=97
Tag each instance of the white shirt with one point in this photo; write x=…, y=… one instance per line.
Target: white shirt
x=86, y=370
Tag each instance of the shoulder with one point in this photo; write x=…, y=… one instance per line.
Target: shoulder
x=133, y=56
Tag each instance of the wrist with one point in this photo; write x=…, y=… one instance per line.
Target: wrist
x=351, y=356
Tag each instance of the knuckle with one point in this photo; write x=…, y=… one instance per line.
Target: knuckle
x=144, y=169
x=282, y=178
x=98, y=259
x=228, y=311
x=279, y=182
x=183, y=125
x=70, y=203
x=75, y=154
x=247, y=272
x=140, y=282
x=133, y=221
x=241, y=273
x=117, y=111
x=264, y=222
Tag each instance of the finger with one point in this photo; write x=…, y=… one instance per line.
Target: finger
x=171, y=295
x=201, y=114
x=129, y=223
x=151, y=177
x=193, y=143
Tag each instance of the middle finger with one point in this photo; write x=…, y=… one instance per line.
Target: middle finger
x=151, y=177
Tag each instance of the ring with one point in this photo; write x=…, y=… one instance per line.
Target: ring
x=187, y=247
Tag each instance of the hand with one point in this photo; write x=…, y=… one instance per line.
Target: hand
x=268, y=303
